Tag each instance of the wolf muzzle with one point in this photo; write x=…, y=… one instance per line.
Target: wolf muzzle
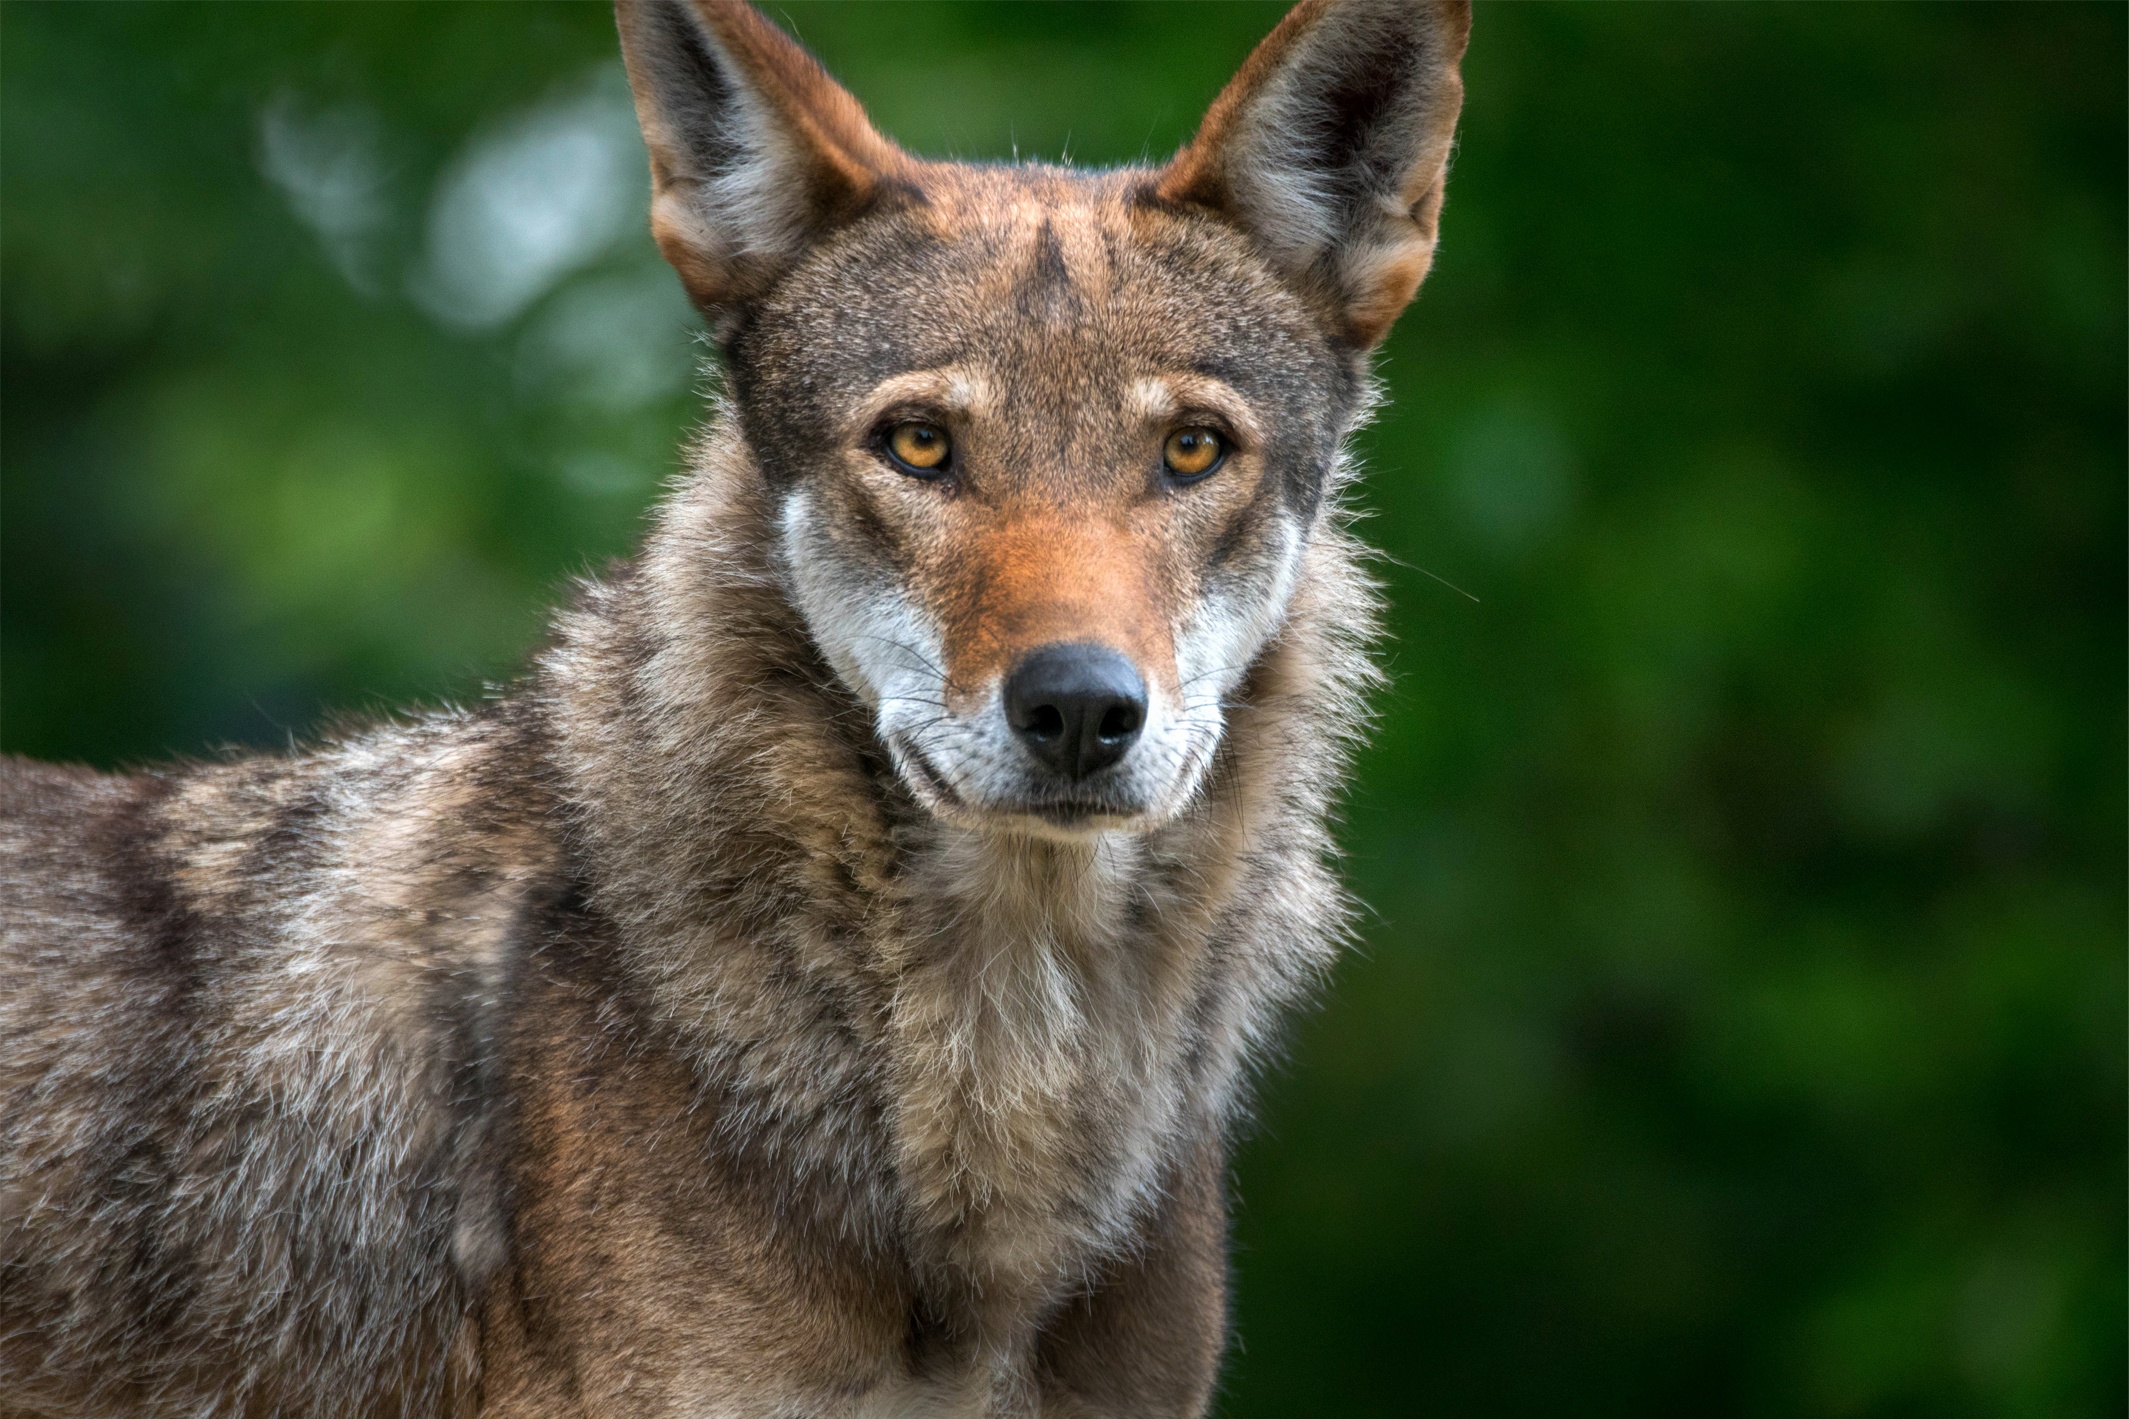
x=1078, y=708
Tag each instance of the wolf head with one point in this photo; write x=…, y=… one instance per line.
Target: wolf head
x=1047, y=447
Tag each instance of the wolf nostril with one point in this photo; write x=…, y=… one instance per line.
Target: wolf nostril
x=1077, y=708
x=1120, y=722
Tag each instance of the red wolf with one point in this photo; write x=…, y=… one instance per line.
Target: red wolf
x=826, y=984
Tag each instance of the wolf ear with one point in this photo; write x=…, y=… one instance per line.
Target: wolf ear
x=1330, y=148
x=755, y=152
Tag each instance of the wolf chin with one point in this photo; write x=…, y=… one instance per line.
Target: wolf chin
x=825, y=984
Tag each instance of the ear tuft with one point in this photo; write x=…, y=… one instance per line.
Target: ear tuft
x=1330, y=148
x=755, y=152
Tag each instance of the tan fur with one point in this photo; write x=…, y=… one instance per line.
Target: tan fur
x=732, y=1019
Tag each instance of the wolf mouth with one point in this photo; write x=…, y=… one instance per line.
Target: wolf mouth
x=1068, y=813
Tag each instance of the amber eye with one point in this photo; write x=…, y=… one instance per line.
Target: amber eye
x=1192, y=453
x=921, y=448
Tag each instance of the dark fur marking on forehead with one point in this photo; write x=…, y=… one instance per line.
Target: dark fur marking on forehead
x=1045, y=293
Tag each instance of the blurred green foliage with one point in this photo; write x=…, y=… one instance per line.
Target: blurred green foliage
x=1741, y=1023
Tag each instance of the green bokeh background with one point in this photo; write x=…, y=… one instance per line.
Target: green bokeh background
x=1740, y=1028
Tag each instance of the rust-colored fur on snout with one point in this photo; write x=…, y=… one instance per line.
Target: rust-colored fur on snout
x=1034, y=579
x=739, y=1017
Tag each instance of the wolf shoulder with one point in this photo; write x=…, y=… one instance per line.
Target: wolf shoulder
x=246, y=1010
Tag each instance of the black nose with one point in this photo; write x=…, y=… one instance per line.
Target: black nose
x=1078, y=708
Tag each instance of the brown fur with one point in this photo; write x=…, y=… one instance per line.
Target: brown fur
x=730, y=1021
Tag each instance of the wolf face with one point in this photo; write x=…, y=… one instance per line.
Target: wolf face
x=1125, y=428
x=1048, y=447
